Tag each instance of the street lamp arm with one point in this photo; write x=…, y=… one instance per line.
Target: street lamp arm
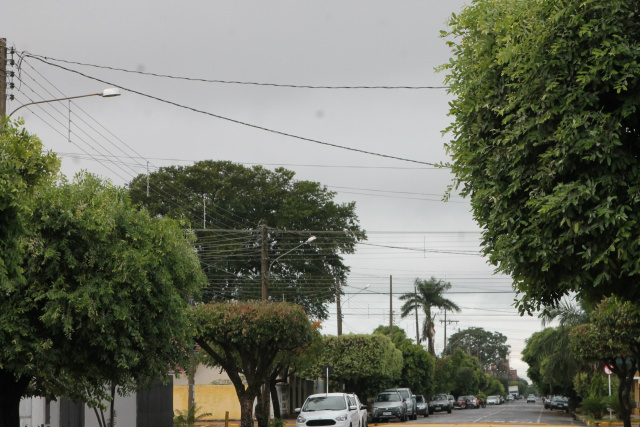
x=107, y=93
x=309, y=240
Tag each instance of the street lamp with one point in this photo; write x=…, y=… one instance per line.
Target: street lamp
x=107, y=93
x=265, y=271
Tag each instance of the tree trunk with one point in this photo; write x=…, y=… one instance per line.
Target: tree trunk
x=624, y=394
x=11, y=391
x=262, y=408
x=246, y=409
x=275, y=402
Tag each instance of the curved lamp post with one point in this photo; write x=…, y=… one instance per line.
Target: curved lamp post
x=107, y=93
x=265, y=271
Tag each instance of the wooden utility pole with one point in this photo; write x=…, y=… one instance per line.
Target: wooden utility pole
x=338, y=307
x=3, y=77
x=415, y=295
x=445, y=321
x=265, y=264
x=391, y=307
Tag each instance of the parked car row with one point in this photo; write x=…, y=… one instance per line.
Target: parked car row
x=398, y=403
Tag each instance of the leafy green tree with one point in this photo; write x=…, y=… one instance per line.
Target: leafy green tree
x=103, y=298
x=552, y=364
x=24, y=169
x=240, y=201
x=612, y=339
x=489, y=347
x=418, y=368
x=246, y=339
x=365, y=364
x=545, y=142
x=429, y=294
x=108, y=286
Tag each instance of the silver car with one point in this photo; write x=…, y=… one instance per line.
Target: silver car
x=410, y=399
x=388, y=405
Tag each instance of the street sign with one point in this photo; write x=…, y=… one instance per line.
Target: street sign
x=608, y=370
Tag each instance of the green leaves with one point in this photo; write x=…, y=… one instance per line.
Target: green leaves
x=545, y=141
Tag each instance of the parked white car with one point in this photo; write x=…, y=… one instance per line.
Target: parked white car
x=364, y=414
x=335, y=409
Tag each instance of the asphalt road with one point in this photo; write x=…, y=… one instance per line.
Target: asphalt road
x=517, y=412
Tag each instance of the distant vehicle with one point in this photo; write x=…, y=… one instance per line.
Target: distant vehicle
x=440, y=402
x=547, y=402
x=514, y=391
x=388, y=405
x=410, y=400
x=452, y=400
x=461, y=402
x=334, y=409
x=510, y=398
x=422, y=407
x=559, y=402
x=493, y=400
x=531, y=398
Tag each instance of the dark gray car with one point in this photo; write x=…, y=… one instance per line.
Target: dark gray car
x=440, y=402
x=410, y=399
x=387, y=405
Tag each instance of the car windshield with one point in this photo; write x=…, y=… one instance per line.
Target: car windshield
x=419, y=399
x=404, y=393
x=439, y=397
x=324, y=403
x=461, y=398
x=562, y=399
x=388, y=397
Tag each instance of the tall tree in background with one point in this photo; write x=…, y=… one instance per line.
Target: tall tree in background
x=489, y=347
x=545, y=141
x=429, y=294
x=238, y=201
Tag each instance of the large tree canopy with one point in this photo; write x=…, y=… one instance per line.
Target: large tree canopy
x=238, y=201
x=545, y=141
x=103, y=301
x=489, y=347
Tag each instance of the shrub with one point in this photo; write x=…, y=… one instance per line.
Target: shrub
x=188, y=417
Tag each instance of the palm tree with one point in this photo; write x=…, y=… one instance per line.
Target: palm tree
x=428, y=294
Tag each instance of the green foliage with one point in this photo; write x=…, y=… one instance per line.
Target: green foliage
x=552, y=363
x=594, y=406
x=242, y=198
x=489, y=347
x=459, y=374
x=364, y=363
x=188, y=417
x=23, y=169
x=545, y=142
x=276, y=422
x=247, y=338
x=110, y=286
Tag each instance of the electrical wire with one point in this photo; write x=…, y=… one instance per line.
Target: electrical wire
x=277, y=132
x=104, y=67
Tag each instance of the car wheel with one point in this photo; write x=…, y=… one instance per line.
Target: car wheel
x=449, y=410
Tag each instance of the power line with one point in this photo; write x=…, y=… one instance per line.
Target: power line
x=277, y=132
x=104, y=67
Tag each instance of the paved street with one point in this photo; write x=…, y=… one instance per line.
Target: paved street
x=518, y=412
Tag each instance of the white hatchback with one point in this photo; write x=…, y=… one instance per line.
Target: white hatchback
x=328, y=409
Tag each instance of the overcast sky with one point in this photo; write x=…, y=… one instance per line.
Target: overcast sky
x=412, y=232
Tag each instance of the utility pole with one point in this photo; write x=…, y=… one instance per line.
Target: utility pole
x=445, y=321
x=3, y=77
x=338, y=307
x=265, y=264
x=391, y=307
x=415, y=296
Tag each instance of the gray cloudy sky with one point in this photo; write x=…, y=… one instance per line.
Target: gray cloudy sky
x=412, y=233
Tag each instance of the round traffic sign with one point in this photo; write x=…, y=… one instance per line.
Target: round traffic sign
x=608, y=370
